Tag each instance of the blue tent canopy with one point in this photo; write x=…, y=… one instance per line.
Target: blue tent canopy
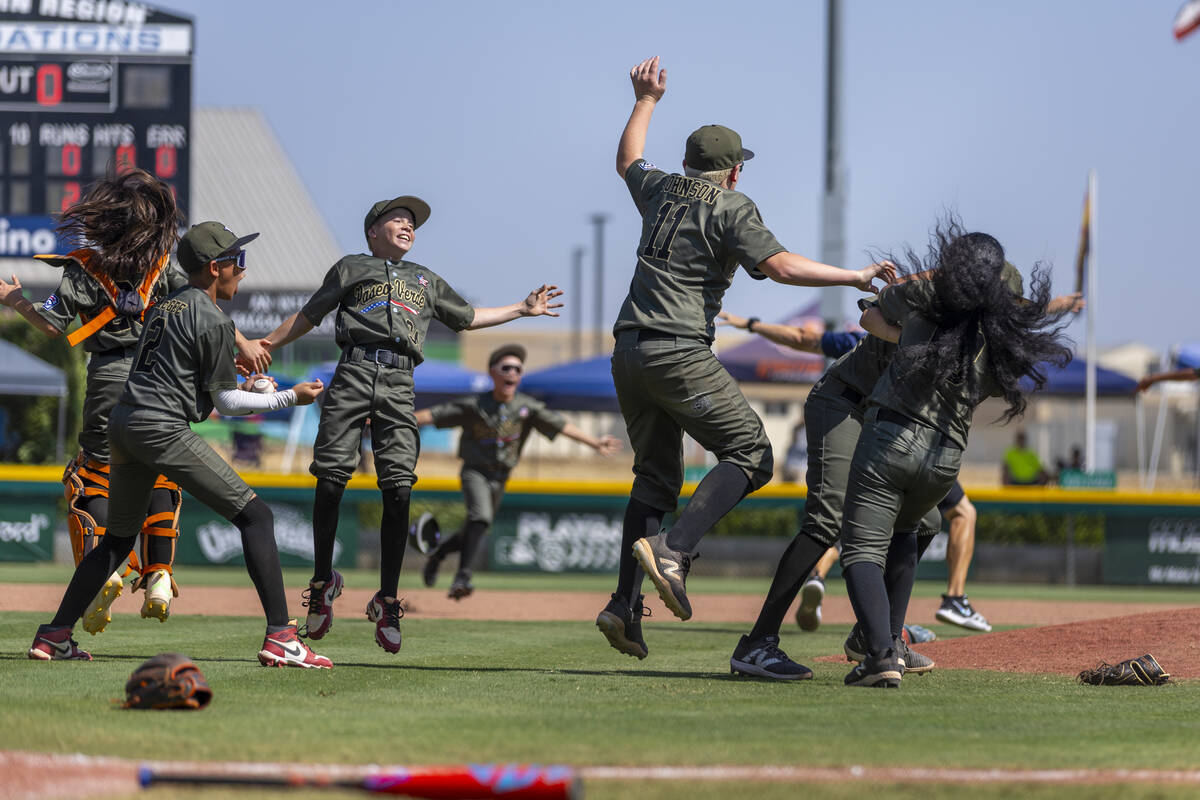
x=1188, y=355
x=585, y=385
x=433, y=381
x=1072, y=380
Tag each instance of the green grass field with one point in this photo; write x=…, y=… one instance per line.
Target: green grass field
x=464, y=691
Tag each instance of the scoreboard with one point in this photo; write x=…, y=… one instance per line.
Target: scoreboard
x=87, y=86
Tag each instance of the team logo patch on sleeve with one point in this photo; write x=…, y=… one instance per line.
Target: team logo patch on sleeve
x=647, y=166
x=50, y=302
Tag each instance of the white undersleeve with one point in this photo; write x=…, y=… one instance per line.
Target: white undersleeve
x=239, y=403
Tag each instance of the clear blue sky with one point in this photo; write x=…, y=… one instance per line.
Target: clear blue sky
x=505, y=117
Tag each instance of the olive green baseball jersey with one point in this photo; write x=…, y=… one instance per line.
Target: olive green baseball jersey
x=79, y=295
x=694, y=236
x=942, y=406
x=385, y=304
x=861, y=367
x=493, y=433
x=185, y=353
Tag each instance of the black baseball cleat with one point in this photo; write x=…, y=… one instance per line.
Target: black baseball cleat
x=430, y=570
x=911, y=660
x=622, y=626
x=668, y=569
x=461, y=586
x=855, y=646
x=763, y=658
x=883, y=671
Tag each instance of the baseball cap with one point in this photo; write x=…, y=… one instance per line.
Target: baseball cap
x=506, y=350
x=1012, y=276
x=714, y=147
x=418, y=207
x=207, y=241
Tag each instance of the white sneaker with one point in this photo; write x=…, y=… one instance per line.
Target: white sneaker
x=957, y=610
x=99, y=613
x=158, y=596
x=808, y=615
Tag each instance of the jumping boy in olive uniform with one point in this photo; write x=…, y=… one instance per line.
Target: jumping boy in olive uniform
x=696, y=231
x=495, y=426
x=384, y=305
x=184, y=367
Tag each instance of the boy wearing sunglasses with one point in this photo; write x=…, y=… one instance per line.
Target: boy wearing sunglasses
x=183, y=368
x=495, y=426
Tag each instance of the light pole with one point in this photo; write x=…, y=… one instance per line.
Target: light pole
x=598, y=220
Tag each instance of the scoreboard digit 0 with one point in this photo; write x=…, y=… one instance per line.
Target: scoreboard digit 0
x=87, y=86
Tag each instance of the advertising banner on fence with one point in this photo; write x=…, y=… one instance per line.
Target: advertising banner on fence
x=209, y=539
x=1158, y=549
x=27, y=530
x=556, y=541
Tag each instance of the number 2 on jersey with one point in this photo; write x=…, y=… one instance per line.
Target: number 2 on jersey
x=150, y=340
x=667, y=211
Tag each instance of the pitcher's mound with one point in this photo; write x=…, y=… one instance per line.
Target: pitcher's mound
x=1172, y=636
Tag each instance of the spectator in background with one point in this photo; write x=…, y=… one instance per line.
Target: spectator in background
x=1075, y=463
x=1022, y=467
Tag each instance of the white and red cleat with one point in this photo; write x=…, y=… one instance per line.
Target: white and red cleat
x=285, y=649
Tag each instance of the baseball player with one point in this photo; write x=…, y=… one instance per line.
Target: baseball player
x=384, y=305
x=128, y=225
x=696, y=231
x=833, y=412
x=183, y=367
x=955, y=508
x=964, y=334
x=495, y=426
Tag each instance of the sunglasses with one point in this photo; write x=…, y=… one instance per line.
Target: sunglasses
x=510, y=368
x=238, y=260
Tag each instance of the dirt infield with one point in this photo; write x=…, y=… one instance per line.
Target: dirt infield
x=569, y=606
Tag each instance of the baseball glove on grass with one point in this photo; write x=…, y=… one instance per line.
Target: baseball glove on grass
x=169, y=680
x=1141, y=671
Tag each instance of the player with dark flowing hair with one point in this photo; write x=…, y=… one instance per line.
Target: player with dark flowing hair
x=124, y=228
x=965, y=334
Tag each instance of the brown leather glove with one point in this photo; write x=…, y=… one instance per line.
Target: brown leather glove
x=169, y=680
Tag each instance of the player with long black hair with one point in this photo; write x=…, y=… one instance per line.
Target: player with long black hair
x=124, y=228
x=965, y=333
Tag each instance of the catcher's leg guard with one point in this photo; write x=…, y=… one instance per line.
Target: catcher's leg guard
x=85, y=485
x=159, y=533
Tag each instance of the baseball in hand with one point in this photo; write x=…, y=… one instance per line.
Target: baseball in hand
x=263, y=386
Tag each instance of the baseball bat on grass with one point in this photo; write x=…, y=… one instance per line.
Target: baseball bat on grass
x=478, y=781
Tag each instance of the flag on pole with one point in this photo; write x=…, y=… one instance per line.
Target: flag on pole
x=1085, y=239
x=1188, y=19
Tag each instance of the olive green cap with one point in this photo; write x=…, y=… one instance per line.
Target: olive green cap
x=713, y=147
x=506, y=350
x=416, y=206
x=207, y=241
x=1012, y=276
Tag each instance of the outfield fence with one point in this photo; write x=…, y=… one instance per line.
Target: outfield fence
x=1071, y=536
